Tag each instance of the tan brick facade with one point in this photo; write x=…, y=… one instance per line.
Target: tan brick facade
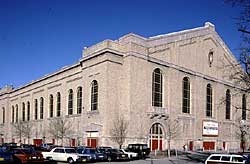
x=123, y=69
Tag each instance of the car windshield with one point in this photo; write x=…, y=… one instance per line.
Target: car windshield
x=70, y=150
x=80, y=151
x=89, y=151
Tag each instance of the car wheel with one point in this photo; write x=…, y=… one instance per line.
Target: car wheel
x=70, y=160
x=130, y=157
x=109, y=159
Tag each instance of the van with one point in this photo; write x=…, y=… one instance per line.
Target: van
x=225, y=159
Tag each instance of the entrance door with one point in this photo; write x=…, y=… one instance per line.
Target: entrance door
x=92, y=142
x=73, y=142
x=209, y=145
x=191, y=145
x=156, y=137
x=37, y=142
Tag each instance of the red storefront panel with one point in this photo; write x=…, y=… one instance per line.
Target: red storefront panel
x=209, y=145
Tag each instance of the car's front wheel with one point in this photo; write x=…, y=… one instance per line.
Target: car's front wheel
x=70, y=160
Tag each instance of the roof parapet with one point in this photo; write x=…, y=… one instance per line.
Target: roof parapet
x=210, y=25
x=6, y=89
x=104, y=45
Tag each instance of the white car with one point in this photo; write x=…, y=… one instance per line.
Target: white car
x=225, y=158
x=131, y=155
x=64, y=154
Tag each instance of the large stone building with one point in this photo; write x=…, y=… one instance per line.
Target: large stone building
x=168, y=88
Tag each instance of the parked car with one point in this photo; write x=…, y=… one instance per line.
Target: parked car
x=64, y=154
x=131, y=155
x=246, y=158
x=116, y=155
x=21, y=155
x=46, y=146
x=225, y=158
x=141, y=149
x=5, y=155
x=89, y=152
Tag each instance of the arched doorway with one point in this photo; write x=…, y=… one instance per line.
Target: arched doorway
x=156, y=137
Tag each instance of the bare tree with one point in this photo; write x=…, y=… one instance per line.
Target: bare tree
x=172, y=131
x=18, y=130
x=27, y=130
x=119, y=130
x=240, y=75
x=60, y=128
x=242, y=132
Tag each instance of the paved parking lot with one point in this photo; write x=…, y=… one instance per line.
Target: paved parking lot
x=179, y=160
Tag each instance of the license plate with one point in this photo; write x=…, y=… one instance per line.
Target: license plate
x=33, y=157
x=84, y=160
x=123, y=155
x=1, y=159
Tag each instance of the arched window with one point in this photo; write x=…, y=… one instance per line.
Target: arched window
x=228, y=104
x=70, y=102
x=13, y=114
x=36, y=109
x=16, y=113
x=79, y=100
x=41, y=107
x=58, y=105
x=244, y=107
x=94, y=95
x=51, y=105
x=23, y=105
x=3, y=115
x=157, y=88
x=28, y=111
x=186, y=95
x=209, y=103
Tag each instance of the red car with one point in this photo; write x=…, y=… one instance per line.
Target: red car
x=27, y=156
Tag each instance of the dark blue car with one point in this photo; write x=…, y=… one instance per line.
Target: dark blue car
x=6, y=156
x=93, y=154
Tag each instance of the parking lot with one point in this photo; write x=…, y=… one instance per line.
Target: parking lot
x=174, y=160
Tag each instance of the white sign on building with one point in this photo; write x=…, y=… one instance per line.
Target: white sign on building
x=210, y=128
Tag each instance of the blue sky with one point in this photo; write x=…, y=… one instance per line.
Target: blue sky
x=38, y=37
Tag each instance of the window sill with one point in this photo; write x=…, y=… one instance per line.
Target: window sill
x=72, y=115
x=92, y=112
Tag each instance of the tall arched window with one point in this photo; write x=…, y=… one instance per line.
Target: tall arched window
x=23, y=106
x=228, y=104
x=28, y=111
x=36, y=109
x=157, y=88
x=51, y=105
x=16, y=113
x=3, y=115
x=70, y=102
x=94, y=95
x=186, y=95
x=79, y=100
x=244, y=107
x=209, y=103
x=58, y=104
x=41, y=107
x=13, y=114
